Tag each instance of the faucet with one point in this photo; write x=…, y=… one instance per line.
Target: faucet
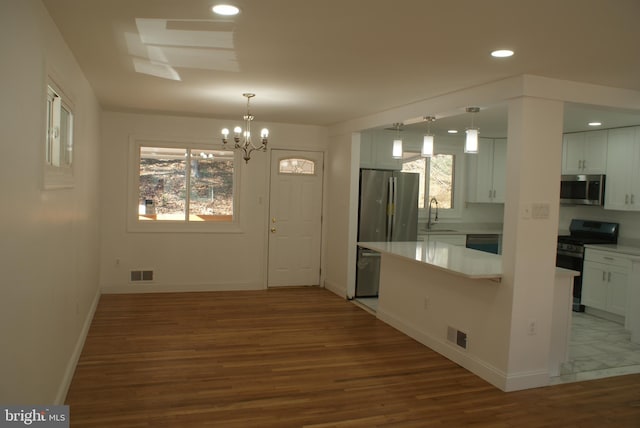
x=429, y=222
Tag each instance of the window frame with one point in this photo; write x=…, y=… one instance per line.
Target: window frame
x=57, y=176
x=458, y=165
x=134, y=224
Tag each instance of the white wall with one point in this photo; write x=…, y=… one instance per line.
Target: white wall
x=629, y=220
x=342, y=170
x=187, y=261
x=49, y=239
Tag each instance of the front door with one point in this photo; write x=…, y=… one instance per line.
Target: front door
x=295, y=218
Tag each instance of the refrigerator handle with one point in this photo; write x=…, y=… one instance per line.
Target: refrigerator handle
x=393, y=200
x=390, y=206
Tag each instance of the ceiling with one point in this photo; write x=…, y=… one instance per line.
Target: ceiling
x=324, y=62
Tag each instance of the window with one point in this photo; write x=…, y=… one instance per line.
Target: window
x=58, y=155
x=297, y=166
x=437, y=178
x=185, y=184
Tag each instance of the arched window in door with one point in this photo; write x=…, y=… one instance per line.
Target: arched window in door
x=297, y=166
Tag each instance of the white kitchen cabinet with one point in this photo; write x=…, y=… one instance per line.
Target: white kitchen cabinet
x=382, y=150
x=584, y=152
x=605, y=281
x=622, y=188
x=375, y=151
x=366, y=151
x=486, y=171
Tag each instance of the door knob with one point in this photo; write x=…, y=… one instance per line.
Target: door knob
x=273, y=230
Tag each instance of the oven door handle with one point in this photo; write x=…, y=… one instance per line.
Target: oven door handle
x=569, y=254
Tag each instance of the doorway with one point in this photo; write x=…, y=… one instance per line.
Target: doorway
x=295, y=218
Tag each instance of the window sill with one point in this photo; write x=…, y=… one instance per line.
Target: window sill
x=148, y=223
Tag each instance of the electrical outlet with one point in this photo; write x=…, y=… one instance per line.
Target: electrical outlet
x=532, y=327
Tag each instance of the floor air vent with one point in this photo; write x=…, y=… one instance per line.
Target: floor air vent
x=456, y=336
x=141, y=275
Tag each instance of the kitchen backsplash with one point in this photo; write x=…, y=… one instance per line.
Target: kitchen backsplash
x=493, y=213
x=629, y=221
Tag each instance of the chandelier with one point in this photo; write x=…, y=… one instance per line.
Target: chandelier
x=245, y=143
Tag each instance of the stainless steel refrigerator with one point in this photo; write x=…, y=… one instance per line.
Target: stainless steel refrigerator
x=388, y=211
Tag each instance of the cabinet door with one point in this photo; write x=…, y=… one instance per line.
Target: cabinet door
x=617, y=279
x=499, y=169
x=594, y=285
x=595, y=152
x=480, y=172
x=573, y=153
x=366, y=151
x=382, y=153
x=634, y=185
x=619, y=168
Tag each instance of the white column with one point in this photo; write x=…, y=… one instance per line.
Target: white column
x=534, y=153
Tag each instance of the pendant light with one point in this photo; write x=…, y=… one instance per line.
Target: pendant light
x=396, y=151
x=427, y=142
x=471, y=143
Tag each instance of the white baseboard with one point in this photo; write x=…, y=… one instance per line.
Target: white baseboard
x=77, y=350
x=618, y=319
x=486, y=371
x=177, y=288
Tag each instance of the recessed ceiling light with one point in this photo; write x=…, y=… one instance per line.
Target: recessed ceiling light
x=502, y=53
x=225, y=9
x=452, y=131
x=595, y=123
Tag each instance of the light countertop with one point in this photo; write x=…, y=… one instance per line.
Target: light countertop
x=621, y=249
x=466, y=231
x=454, y=259
x=451, y=258
x=462, y=229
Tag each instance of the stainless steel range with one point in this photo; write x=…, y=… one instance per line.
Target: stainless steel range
x=570, y=252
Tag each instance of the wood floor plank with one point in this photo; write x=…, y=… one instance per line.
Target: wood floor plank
x=299, y=357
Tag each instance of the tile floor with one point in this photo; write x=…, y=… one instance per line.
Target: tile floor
x=598, y=348
x=369, y=303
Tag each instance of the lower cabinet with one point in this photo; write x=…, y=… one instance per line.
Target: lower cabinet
x=605, y=281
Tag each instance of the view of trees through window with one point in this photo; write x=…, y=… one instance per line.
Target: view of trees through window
x=59, y=143
x=177, y=181
x=439, y=184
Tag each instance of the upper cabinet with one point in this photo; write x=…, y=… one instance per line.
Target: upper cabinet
x=622, y=190
x=486, y=171
x=584, y=152
x=375, y=152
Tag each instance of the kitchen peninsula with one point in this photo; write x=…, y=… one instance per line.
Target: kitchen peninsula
x=453, y=300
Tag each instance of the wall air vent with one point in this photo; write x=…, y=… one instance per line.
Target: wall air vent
x=141, y=276
x=456, y=336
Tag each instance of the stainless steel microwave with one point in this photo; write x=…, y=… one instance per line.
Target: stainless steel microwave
x=582, y=189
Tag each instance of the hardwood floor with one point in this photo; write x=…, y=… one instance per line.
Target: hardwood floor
x=299, y=357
